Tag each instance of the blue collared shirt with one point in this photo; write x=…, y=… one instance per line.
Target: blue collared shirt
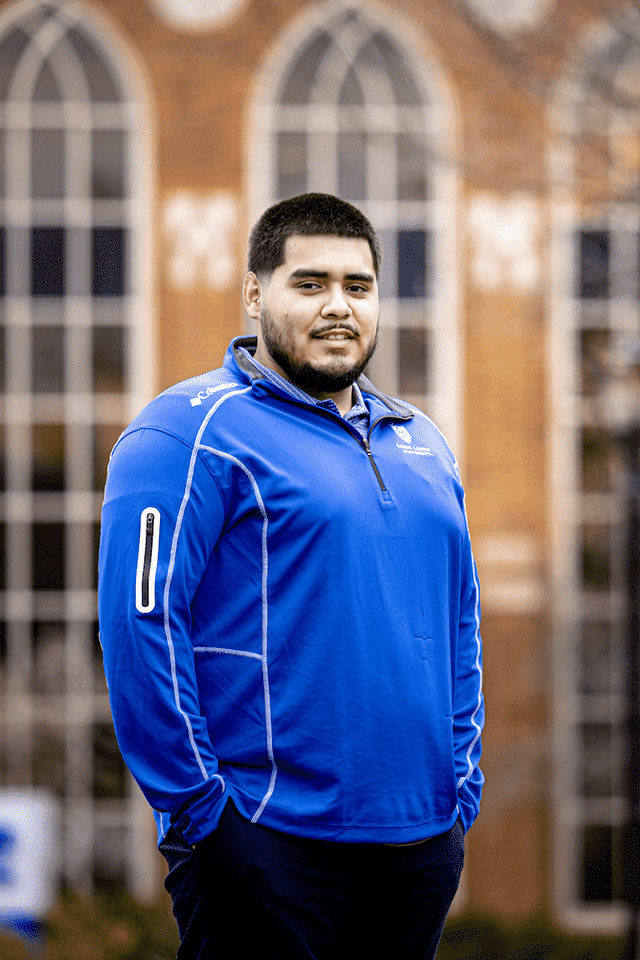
x=357, y=416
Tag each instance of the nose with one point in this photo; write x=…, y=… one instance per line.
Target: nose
x=336, y=306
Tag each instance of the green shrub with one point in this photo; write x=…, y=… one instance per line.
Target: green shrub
x=105, y=927
x=483, y=938
x=115, y=927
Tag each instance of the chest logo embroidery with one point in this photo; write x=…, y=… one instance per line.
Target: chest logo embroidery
x=407, y=445
x=204, y=394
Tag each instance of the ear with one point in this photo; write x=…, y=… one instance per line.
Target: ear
x=252, y=295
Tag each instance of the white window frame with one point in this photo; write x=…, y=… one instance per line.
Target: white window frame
x=569, y=505
x=80, y=706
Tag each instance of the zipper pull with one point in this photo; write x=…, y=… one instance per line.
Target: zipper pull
x=365, y=441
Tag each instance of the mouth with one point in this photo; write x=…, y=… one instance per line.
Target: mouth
x=340, y=333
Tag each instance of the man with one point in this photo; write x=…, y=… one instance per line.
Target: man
x=289, y=612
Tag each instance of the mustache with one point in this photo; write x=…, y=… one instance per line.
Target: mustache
x=335, y=326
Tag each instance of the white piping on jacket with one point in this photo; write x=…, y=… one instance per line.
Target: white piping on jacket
x=236, y=653
x=265, y=623
x=167, y=586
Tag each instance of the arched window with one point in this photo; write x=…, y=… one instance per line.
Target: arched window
x=594, y=312
x=76, y=364
x=350, y=102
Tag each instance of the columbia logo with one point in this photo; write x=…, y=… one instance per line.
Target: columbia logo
x=402, y=432
x=196, y=401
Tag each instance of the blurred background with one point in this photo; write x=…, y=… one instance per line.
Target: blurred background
x=495, y=146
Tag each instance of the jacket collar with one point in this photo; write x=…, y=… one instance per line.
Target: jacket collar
x=241, y=360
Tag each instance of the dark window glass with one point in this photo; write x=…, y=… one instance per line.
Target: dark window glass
x=108, y=261
x=110, y=856
x=11, y=50
x=594, y=345
x=352, y=166
x=108, y=359
x=49, y=760
x=108, y=164
x=3, y=540
x=48, y=359
x=596, y=658
x=292, y=164
x=48, y=456
x=597, y=760
x=109, y=779
x=3, y=262
x=46, y=89
x=599, y=843
x=102, y=86
x=412, y=183
x=3, y=641
x=104, y=440
x=594, y=264
x=404, y=86
x=97, y=645
x=48, y=657
x=626, y=863
x=297, y=87
x=596, y=557
x=412, y=263
x=47, y=262
x=412, y=360
x=3, y=164
x=99, y=682
x=596, y=452
x=48, y=556
x=47, y=163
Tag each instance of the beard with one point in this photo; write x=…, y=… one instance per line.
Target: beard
x=330, y=378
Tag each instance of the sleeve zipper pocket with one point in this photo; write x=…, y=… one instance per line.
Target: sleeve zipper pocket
x=147, y=560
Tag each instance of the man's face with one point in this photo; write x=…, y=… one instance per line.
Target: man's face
x=318, y=312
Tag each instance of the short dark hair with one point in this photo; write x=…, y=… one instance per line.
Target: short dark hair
x=310, y=214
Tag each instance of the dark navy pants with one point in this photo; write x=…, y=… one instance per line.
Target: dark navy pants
x=249, y=891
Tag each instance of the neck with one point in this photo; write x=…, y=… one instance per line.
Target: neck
x=343, y=399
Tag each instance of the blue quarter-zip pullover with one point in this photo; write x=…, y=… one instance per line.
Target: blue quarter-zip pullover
x=290, y=614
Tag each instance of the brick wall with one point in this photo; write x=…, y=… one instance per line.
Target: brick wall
x=198, y=87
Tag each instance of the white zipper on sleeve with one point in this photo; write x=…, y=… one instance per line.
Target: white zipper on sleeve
x=147, y=560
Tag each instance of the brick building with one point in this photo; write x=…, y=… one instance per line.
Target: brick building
x=495, y=148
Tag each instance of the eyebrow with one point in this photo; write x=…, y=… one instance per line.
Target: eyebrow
x=306, y=273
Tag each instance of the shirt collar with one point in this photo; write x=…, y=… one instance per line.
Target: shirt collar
x=358, y=408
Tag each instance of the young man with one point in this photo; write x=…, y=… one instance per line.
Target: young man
x=289, y=611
